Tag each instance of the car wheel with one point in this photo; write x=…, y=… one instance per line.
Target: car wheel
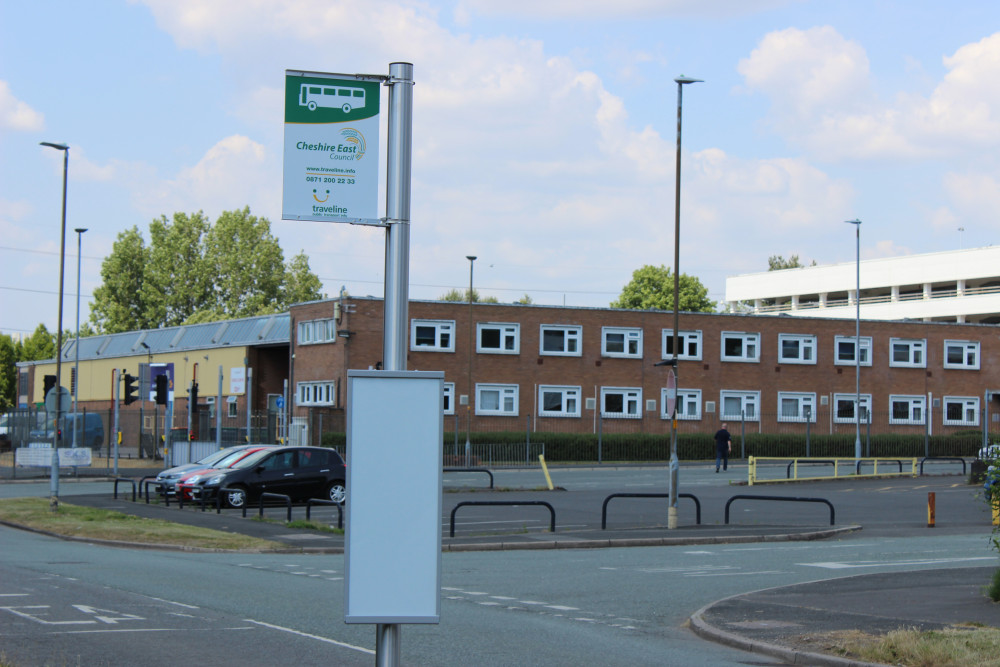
x=337, y=491
x=236, y=497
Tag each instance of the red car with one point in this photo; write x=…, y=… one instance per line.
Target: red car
x=188, y=480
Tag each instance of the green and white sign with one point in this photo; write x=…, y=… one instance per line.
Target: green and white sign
x=331, y=147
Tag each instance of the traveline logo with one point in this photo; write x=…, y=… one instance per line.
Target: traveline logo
x=329, y=210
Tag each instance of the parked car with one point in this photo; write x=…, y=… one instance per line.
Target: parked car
x=190, y=478
x=168, y=478
x=89, y=430
x=298, y=472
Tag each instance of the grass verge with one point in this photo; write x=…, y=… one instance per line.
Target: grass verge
x=92, y=523
x=957, y=646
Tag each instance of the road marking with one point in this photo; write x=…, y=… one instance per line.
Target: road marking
x=833, y=565
x=310, y=636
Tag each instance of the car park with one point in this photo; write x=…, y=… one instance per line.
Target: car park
x=167, y=479
x=300, y=473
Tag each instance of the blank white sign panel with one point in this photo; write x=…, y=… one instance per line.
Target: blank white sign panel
x=395, y=430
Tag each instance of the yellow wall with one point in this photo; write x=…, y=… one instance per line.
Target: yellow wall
x=95, y=375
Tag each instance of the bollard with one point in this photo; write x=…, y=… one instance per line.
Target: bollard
x=996, y=513
x=930, y=509
x=545, y=469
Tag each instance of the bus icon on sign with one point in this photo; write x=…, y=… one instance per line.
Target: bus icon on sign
x=331, y=97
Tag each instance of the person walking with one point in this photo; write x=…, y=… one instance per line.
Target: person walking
x=723, y=447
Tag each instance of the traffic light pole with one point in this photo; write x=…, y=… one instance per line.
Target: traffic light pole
x=117, y=431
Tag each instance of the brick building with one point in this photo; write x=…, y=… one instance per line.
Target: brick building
x=551, y=368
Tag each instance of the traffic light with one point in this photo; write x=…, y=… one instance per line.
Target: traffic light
x=193, y=399
x=50, y=383
x=161, y=389
x=131, y=389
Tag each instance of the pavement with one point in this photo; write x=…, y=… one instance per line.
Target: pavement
x=788, y=623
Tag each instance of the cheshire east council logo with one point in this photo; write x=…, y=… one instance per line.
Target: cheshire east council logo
x=352, y=136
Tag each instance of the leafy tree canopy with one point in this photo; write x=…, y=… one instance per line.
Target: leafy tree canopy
x=652, y=288
x=463, y=296
x=778, y=263
x=195, y=271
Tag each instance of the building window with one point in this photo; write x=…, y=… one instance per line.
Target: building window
x=961, y=354
x=737, y=405
x=796, y=349
x=448, y=404
x=620, y=342
x=496, y=399
x=621, y=402
x=558, y=401
x=432, y=335
x=909, y=353
x=231, y=407
x=493, y=338
x=317, y=393
x=961, y=411
x=317, y=331
x=688, y=404
x=907, y=409
x=561, y=340
x=796, y=407
x=845, y=349
x=844, y=408
x=689, y=343
x=740, y=346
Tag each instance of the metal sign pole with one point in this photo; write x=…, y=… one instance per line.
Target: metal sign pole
x=397, y=268
x=117, y=430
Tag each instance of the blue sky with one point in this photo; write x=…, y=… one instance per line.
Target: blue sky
x=544, y=134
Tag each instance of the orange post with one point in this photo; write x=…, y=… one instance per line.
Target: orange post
x=930, y=509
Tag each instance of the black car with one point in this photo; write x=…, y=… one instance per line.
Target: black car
x=298, y=472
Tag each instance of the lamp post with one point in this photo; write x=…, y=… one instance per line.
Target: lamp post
x=674, y=463
x=468, y=400
x=76, y=371
x=857, y=338
x=54, y=476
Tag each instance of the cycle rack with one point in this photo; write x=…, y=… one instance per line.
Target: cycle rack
x=857, y=466
x=788, y=471
x=472, y=470
x=130, y=481
x=788, y=498
x=512, y=503
x=320, y=501
x=941, y=458
x=276, y=496
x=604, y=508
x=144, y=486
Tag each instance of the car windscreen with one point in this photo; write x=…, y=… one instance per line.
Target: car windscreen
x=215, y=457
x=251, y=460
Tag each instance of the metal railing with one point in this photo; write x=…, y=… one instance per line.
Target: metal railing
x=782, y=498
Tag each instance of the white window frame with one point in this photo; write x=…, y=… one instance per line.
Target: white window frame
x=507, y=394
x=806, y=344
x=509, y=334
x=442, y=329
x=323, y=392
x=314, y=332
x=570, y=397
x=748, y=399
x=865, y=347
x=231, y=411
x=917, y=353
x=631, y=398
x=747, y=339
x=852, y=399
x=631, y=342
x=803, y=401
x=686, y=340
x=688, y=404
x=916, y=410
x=448, y=398
x=572, y=337
x=968, y=403
x=970, y=354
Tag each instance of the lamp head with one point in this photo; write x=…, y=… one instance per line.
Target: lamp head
x=80, y=230
x=471, y=258
x=686, y=79
x=58, y=147
x=853, y=222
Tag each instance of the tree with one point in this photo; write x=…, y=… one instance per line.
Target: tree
x=193, y=271
x=652, y=288
x=779, y=263
x=40, y=345
x=463, y=296
x=525, y=300
x=8, y=373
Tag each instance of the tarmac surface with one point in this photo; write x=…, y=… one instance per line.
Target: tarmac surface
x=769, y=622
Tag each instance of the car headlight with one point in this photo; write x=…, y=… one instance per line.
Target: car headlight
x=215, y=481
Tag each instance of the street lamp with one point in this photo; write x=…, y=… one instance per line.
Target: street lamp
x=76, y=372
x=857, y=338
x=674, y=463
x=468, y=400
x=54, y=476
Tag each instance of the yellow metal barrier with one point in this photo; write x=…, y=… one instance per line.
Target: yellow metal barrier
x=854, y=471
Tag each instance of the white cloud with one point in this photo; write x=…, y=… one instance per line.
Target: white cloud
x=625, y=9
x=976, y=197
x=17, y=115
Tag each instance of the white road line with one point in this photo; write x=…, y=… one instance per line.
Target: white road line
x=832, y=565
x=309, y=636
